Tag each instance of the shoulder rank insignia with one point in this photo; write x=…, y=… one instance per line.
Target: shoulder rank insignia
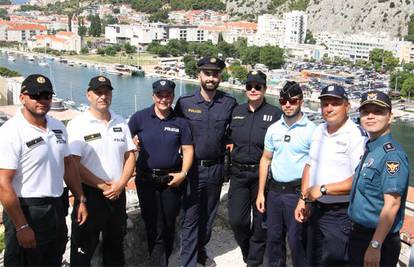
x=388, y=147
x=392, y=167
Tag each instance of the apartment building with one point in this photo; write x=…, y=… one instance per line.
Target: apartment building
x=62, y=41
x=11, y=31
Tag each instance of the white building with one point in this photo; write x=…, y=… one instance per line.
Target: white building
x=19, y=32
x=272, y=30
x=186, y=32
x=61, y=41
x=305, y=51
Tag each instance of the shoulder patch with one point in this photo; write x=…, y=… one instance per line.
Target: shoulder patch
x=362, y=131
x=392, y=167
x=388, y=147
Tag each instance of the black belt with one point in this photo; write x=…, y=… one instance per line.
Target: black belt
x=331, y=206
x=209, y=162
x=38, y=201
x=288, y=187
x=245, y=167
x=156, y=172
x=361, y=229
x=158, y=176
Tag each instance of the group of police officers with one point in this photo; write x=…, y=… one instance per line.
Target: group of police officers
x=337, y=190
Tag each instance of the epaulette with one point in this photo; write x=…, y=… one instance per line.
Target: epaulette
x=362, y=131
x=186, y=96
x=388, y=147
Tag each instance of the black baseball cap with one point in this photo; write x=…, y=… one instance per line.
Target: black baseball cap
x=291, y=89
x=99, y=81
x=211, y=63
x=163, y=85
x=376, y=97
x=36, y=84
x=256, y=76
x=334, y=90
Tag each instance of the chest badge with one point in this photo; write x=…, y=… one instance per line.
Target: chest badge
x=34, y=142
x=267, y=117
x=92, y=137
x=286, y=138
x=117, y=129
x=193, y=110
x=392, y=167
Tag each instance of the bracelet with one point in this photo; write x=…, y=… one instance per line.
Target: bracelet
x=184, y=172
x=22, y=227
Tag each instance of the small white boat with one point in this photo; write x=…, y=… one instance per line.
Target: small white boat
x=11, y=58
x=43, y=64
x=71, y=63
x=57, y=104
x=30, y=58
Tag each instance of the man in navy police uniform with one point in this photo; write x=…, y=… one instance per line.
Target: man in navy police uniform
x=379, y=189
x=208, y=111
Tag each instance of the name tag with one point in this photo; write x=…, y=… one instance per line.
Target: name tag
x=238, y=118
x=192, y=110
x=171, y=129
x=34, y=142
x=57, y=131
x=286, y=138
x=117, y=129
x=92, y=137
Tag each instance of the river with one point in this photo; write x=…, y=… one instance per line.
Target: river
x=134, y=93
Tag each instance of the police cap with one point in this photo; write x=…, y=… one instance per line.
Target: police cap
x=334, y=90
x=211, y=63
x=163, y=85
x=99, y=81
x=291, y=89
x=376, y=97
x=256, y=76
x=35, y=84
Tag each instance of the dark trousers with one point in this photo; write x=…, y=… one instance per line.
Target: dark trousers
x=106, y=216
x=160, y=206
x=280, y=208
x=249, y=234
x=359, y=241
x=47, y=220
x=200, y=206
x=329, y=228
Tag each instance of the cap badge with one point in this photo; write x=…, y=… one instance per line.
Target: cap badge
x=101, y=79
x=331, y=88
x=163, y=82
x=40, y=79
x=372, y=96
x=254, y=72
x=213, y=60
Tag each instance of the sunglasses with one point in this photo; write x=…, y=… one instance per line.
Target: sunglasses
x=256, y=87
x=40, y=97
x=292, y=101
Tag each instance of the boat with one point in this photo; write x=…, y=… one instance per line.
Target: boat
x=11, y=58
x=63, y=60
x=71, y=63
x=30, y=58
x=43, y=63
x=119, y=69
x=57, y=104
x=136, y=70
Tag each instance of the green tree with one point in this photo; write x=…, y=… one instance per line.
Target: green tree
x=110, y=51
x=238, y=72
x=190, y=66
x=4, y=14
x=5, y=72
x=84, y=50
x=227, y=50
x=408, y=86
x=147, y=6
x=96, y=27
x=299, y=5
x=109, y=19
x=309, y=38
x=159, y=16
x=271, y=56
x=250, y=54
x=410, y=34
x=130, y=49
x=82, y=30
x=274, y=5
x=381, y=58
x=177, y=47
x=5, y=2
x=225, y=75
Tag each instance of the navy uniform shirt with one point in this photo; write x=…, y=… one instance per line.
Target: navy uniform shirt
x=248, y=129
x=208, y=121
x=160, y=139
x=383, y=169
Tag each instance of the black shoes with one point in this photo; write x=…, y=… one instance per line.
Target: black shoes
x=207, y=262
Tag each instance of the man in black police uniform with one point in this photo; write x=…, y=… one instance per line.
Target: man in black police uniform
x=34, y=162
x=379, y=189
x=161, y=169
x=247, y=130
x=208, y=111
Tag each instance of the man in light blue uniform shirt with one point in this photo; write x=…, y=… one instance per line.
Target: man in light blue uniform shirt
x=286, y=148
x=379, y=189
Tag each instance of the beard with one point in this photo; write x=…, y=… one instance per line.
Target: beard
x=294, y=114
x=211, y=86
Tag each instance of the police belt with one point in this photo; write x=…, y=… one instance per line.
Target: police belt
x=159, y=176
x=209, y=162
x=361, y=229
x=285, y=187
x=245, y=167
x=38, y=201
x=331, y=206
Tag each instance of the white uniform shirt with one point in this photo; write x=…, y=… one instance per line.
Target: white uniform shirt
x=101, y=146
x=334, y=157
x=37, y=155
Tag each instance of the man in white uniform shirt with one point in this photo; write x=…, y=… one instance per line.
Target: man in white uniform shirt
x=34, y=162
x=101, y=144
x=336, y=148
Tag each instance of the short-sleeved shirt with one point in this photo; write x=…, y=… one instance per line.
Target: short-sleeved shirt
x=334, y=157
x=160, y=139
x=248, y=129
x=290, y=147
x=384, y=170
x=101, y=146
x=208, y=121
x=36, y=154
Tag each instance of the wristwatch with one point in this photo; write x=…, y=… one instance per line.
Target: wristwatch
x=323, y=190
x=83, y=199
x=375, y=244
